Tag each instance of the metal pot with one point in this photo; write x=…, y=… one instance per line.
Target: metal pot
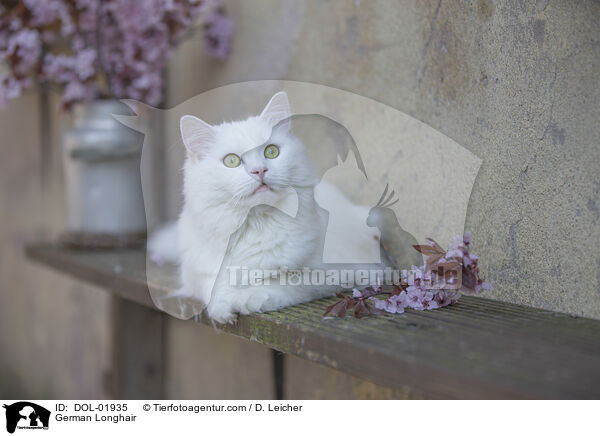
x=102, y=170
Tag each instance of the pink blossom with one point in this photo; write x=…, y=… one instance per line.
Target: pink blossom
x=45, y=12
x=455, y=252
x=125, y=43
x=467, y=237
x=416, y=297
x=79, y=91
x=418, y=294
x=445, y=298
x=394, y=304
x=24, y=49
x=217, y=35
x=85, y=63
x=11, y=88
x=59, y=68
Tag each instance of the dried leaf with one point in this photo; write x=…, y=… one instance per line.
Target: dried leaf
x=428, y=250
x=370, y=291
x=360, y=309
x=433, y=252
x=469, y=280
x=432, y=261
x=449, y=265
x=372, y=309
x=435, y=245
x=339, y=309
x=328, y=308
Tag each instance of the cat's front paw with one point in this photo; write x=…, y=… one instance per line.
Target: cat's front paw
x=221, y=314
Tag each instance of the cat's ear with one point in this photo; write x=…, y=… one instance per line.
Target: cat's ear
x=196, y=134
x=351, y=160
x=277, y=111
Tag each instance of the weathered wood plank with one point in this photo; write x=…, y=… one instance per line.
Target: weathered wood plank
x=138, y=351
x=477, y=348
x=121, y=272
x=202, y=364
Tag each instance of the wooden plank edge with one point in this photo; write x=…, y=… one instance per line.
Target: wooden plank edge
x=119, y=284
x=384, y=370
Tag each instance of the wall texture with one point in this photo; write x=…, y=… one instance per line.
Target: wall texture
x=514, y=82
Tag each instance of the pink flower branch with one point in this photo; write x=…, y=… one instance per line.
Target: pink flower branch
x=419, y=294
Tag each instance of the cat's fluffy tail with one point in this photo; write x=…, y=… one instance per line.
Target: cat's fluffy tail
x=163, y=244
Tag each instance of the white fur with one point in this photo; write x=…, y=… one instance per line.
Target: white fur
x=224, y=223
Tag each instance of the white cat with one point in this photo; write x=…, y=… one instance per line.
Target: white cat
x=248, y=203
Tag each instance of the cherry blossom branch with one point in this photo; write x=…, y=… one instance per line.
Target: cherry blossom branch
x=419, y=293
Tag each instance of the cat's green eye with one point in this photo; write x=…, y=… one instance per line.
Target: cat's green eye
x=271, y=151
x=232, y=160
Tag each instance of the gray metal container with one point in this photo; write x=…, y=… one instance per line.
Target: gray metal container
x=102, y=170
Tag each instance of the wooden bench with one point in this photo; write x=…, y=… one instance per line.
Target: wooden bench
x=478, y=348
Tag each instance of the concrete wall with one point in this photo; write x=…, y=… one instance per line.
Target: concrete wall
x=514, y=82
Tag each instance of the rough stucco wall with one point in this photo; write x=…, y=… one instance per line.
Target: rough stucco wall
x=514, y=82
x=526, y=102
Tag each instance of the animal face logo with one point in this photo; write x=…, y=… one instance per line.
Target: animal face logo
x=26, y=415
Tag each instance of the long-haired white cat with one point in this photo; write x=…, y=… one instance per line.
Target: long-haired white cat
x=249, y=203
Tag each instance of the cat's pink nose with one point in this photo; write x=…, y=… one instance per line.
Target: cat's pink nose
x=260, y=172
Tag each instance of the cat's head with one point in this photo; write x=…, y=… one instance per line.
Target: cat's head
x=245, y=162
x=346, y=176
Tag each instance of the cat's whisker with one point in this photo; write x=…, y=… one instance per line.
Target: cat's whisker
x=224, y=208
